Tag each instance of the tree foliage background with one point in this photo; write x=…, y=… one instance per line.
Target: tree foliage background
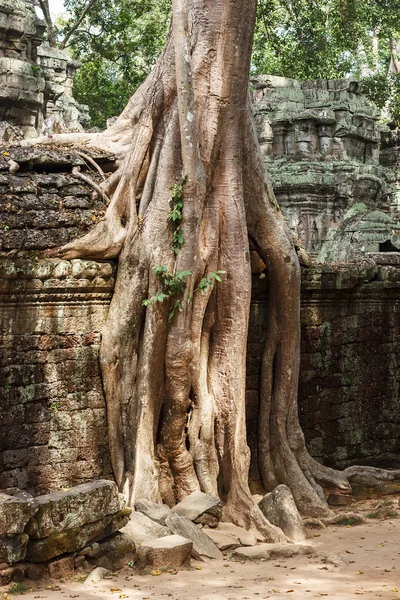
x=119, y=41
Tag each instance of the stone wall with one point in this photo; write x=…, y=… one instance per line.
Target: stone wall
x=53, y=430
x=36, y=80
x=349, y=396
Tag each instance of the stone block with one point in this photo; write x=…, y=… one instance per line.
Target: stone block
x=246, y=538
x=156, y=512
x=16, y=508
x=202, y=544
x=198, y=506
x=223, y=541
x=15, y=573
x=62, y=567
x=141, y=528
x=13, y=548
x=82, y=504
x=71, y=540
x=170, y=552
x=280, y=509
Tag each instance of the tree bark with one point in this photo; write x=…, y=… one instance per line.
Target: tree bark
x=176, y=394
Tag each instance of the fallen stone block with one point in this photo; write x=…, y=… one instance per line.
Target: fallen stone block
x=202, y=544
x=96, y=575
x=16, y=509
x=171, y=552
x=82, y=504
x=280, y=509
x=156, y=512
x=223, y=541
x=272, y=551
x=75, y=539
x=339, y=500
x=16, y=573
x=62, y=567
x=200, y=508
x=36, y=571
x=142, y=529
x=13, y=548
x=114, y=552
x=246, y=538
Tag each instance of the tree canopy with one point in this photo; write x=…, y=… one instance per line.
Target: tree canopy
x=118, y=43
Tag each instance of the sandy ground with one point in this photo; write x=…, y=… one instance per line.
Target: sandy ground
x=371, y=568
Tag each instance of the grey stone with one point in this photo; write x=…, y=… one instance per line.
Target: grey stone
x=272, y=551
x=223, y=541
x=198, y=504
x=170, y=552
x=75, y=539
x=246, y=538
x=82, y=504
x=16, y=508
x=13, y=548
x=202, y=544
x=280, y=509
x=156, y=512
x=142, y=529
x=96, y=575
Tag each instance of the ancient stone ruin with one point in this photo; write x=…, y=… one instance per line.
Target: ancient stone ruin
x=35, y=80
x=335, y=172
x=322, y=145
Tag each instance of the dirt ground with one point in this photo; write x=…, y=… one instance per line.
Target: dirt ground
x=369, y=567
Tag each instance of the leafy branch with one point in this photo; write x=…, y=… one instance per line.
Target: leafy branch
x=174, y=284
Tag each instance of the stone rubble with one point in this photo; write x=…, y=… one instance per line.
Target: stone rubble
x=280, y=509
x=54, y=534
x=200, y=508
x=202, y=544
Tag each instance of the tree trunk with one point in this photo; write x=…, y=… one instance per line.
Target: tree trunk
x=176, y=393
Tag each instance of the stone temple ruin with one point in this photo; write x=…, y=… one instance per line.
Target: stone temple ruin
x=333, y=168
x=336, y=175
x=35, y=80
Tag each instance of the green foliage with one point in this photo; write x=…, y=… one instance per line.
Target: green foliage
x=349, y=521
x=117, y=43
x=172, y=284
x=330, y=39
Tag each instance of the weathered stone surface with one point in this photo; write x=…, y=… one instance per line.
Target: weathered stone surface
x=62, y=567
x=10, y=574
x=82, y=504
x=280, y=509
x=36, y=571
x=272, y=551
x=13, y=547
x=142, y=529
x=223, y=541
x=114, y=552
x=202, y=544
x=246, y=538
x=196, y=505
x=170, y=552
x=71, y=540
x=156, y=512
x=339, y=500
x=16, y=508
x=96, y=575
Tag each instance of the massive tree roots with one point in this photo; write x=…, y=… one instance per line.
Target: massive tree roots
x=176, y=392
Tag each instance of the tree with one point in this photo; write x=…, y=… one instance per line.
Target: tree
x=330, y=39
x=173, y=349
